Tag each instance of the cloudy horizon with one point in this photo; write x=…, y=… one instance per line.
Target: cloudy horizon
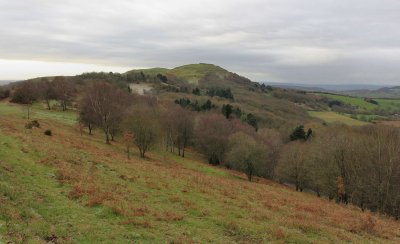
x=304, y=41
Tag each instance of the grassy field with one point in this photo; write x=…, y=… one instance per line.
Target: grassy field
x=69, y=188
x=384, y=104
x=333, y=117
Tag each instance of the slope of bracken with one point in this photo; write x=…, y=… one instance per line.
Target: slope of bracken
x=72, y=188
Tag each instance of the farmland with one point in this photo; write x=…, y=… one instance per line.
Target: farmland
x=389, y=105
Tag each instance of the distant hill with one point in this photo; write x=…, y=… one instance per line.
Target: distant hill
x=326, y=87
x=271, y=107
x=385, y=92
x=357, y=90
x=5, y=82
x=195, y=74
x=283, y=106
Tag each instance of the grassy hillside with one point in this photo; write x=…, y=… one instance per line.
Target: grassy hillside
x=69, y=188
x=270, y=110
x=193, y=73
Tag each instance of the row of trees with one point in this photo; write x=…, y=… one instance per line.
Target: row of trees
x=227, y=110
x=58, y=89
x=146, y=123
x=352, y=165
x=225, y=142
x=195, y=105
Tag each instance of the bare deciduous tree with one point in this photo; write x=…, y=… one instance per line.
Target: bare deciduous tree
x=25, y=93
x=47, y=91
x=212, y=137
x=246, y=155
x=104, y=105
x=143, y=124
x=64, y=91
x=178, y=124
x=292, y=166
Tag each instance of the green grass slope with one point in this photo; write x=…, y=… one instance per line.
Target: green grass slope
x=194, y=73
x=383, y=104
x=333, y=117
x=72, y=188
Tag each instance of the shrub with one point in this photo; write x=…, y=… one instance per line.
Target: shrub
x=220, y=92
x=48, y=132
x=372, y=101
x=334, y=103
x=298, y=133
x=196, y=91
x=31, y=124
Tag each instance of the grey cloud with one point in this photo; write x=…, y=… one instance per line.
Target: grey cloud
x=309, y=41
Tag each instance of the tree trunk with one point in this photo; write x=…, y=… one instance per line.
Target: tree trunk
x=81, y=128
x=112, y=136
x=142, y=151
x=64, y=105
x=107, y=138
x=48, y=104
x=249, y=176
x=90, y=129
x=28, y=111
x=183, y=152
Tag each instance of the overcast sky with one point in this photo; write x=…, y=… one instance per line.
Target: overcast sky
x=303, y=41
